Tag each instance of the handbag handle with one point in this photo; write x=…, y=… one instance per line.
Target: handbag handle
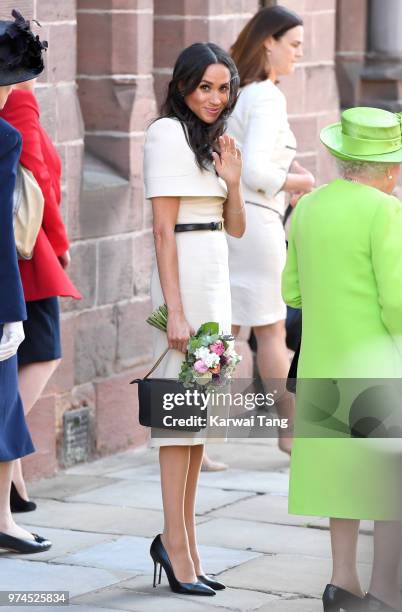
x=157, y=363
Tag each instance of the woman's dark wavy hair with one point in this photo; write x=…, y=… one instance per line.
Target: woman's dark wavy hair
x=187, y=74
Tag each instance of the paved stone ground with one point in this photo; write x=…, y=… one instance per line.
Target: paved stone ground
x=102, y=517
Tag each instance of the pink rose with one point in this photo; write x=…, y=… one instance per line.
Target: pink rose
x=217, y=347
x=200, y=366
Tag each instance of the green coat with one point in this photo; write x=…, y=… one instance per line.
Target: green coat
x=344, y=269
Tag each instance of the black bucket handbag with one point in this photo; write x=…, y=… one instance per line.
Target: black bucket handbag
x=162, y=397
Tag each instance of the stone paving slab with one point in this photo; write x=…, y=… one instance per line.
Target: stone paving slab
x=297, y=574
x=21, y=575
x=64, y=542
x=293, y=605
x=129, y=458
x=131, y=554
x=147, y=494
x=265, y=509
x=269, y=538
x=138, y=595
x=65, y=485
x=249, y=457
x=233, y=479
x=96, y=518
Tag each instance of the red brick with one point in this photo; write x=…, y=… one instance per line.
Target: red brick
x=72, y=179
x=305, y=129
x=323, y=47
x=117, y=424
x=61, y=60
x=114, y=4
x=95, y=344
x=53, y=10
x=63, y=378
x=46, y=97
x=115, y=276
x=321, y=5
x=143, y=260
x=321, y=89
x=24, y=6
x=69, y=118
x=42, y=424
x=134, y=335
x=82, y=273
x=294, y=88
x=351, y=26
x=114, y=151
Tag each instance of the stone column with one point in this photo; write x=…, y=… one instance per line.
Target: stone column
x=381, y=79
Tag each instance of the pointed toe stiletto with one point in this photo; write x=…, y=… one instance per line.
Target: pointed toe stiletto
x=160, y=557
x=18, y=503
x=335, y=599
x=26, y=547
x=211, y=582
x=376, y=605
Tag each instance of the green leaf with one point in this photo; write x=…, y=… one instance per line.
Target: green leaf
x=209, y=328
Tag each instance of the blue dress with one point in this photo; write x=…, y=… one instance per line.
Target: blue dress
x=15, y=440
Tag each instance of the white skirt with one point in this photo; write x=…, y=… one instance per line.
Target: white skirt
x=256, y=262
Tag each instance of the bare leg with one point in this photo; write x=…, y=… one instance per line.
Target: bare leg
x=7, y=524
x=174, y=463
x=196, y=453
x=273, y=363
x=32, y=379
x=387, y=561
x=344, y=535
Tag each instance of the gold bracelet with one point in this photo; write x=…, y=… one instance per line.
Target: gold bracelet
x=235, y=212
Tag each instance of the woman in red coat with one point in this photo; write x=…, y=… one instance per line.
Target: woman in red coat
x=43, y=276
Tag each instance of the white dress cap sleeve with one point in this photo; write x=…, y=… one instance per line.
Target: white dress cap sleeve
x=170, y=167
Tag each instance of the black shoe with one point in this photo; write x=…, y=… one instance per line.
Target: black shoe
x=213, y=584
x=160, y=556
x=376, y=605
x=26, y=547
x=18, y=503
x=335, y=599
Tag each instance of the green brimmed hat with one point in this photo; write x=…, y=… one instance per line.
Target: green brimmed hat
x=365, y=134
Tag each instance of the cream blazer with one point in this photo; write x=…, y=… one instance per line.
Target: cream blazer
x=260, y=126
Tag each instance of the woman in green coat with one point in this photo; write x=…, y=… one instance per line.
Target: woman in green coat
x=344, y=269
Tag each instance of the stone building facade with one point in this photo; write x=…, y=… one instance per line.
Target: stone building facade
x=106, y=69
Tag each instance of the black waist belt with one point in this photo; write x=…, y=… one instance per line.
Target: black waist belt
x=194, y=227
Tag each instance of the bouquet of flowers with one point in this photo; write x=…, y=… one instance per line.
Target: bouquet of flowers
x=210, y=359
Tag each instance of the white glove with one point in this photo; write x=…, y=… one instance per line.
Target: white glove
x=13, y=335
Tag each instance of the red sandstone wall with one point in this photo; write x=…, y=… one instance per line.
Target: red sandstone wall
x=105, y=58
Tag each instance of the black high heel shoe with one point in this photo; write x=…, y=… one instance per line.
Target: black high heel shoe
x=18, y=503
x=159, y=556
x=376, y=605
x=335, y=599
x=26, y=547
x=213, y=584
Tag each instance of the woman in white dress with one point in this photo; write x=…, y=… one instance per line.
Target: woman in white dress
x=267, y=48
x=192, y=175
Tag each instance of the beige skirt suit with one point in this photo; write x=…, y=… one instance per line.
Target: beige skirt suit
x=170, y=169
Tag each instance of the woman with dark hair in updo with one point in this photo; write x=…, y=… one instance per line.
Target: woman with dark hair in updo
x=192, y=176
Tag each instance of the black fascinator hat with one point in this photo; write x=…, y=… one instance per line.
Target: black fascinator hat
x=20, y=51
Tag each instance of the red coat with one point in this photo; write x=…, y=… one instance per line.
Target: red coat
x=42, y=276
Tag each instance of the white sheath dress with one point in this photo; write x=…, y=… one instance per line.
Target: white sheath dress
x=170, y=169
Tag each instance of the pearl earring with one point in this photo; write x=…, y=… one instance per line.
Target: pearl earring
x=390, y=177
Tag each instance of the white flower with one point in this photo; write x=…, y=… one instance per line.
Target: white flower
x=210, y=359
